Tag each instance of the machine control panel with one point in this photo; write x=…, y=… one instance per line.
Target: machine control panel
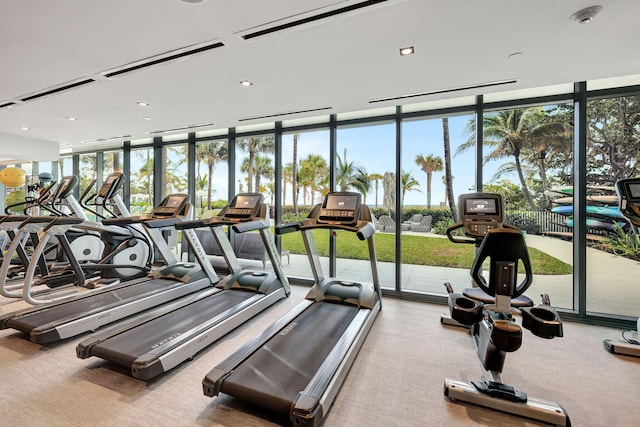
x=244, y=207
x=481, y=213
x=171, y=206
x=629, y=193
x=340, y=208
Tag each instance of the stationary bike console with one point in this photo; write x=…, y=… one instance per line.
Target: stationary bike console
x=629, y=193
x=479, y=214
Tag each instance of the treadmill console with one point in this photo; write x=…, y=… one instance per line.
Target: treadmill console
x=480, y=213
x=340, y=208
x=629, y=193
x=173, y=205
x=244, y=207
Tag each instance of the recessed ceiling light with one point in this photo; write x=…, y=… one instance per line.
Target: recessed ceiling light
x=586, y=15
x=245, y=83
x=142, y=104
x=147, y=118
x=407, y=51
x=73, y=119
x=24, y=128
x=191, y=1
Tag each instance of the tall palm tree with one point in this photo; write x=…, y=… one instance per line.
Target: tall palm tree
x=409, y=183
x=362, y=184
x=348, y=173
x=287, y=174
x=429, y=164
x=211, y=153
x=294, y=174
x=376, y=177
x=513, y=133
x=448, y=178
x=254, y=145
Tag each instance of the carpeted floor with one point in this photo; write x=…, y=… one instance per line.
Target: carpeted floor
x=397, y=379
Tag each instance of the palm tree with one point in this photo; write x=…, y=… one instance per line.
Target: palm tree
x=348, y=173
x=448, y=178
x=409, y=183
x=287, y=174
x=262, y=167
x=376, y=177
x=362, y=184
x=294, y=173
x=429, y=164
x=317, y=166
x=515, y=132
x=146, y=171
x=254, y=145
x=211, y=153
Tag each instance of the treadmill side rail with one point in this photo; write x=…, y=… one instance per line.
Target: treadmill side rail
x=314, y=402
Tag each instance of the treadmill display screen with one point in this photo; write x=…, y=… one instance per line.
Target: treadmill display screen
x=481, y=206
x=107, y=185
x=343, y=203
x=247, y=202
x=174, y=201
x=634, y=190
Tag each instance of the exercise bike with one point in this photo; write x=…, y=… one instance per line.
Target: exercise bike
x=629, y=204
x=488, y=310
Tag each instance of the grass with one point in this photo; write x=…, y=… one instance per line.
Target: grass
x=419, y=250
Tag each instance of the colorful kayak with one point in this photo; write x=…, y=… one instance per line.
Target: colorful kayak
x=591, y=198
x=599, y=212
x=599, y=224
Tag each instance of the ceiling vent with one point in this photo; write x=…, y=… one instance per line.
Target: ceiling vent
x=156, y=132
x=437, y=92
x=111, y=138
x=171, y=55
x=303, y=19
x=6, y=104
x=57, y=89
x=287, y=113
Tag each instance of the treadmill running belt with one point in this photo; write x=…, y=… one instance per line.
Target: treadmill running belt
x=71, y=310
x=128, y=346
x=274, y=375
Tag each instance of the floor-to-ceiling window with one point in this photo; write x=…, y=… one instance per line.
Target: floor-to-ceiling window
x=365, y=163
x=212, y=176
x=88, y=171
x=141, y=181
x=305, y=181
x=429, y=259
x=175, y=172
x=528, y=159
x=613, y=247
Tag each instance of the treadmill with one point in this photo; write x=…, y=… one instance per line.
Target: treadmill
x=298, y=364
x=90, y=310
x=629, y=204
x=161, y=339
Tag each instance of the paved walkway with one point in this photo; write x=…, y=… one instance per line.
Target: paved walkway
x=612, y=282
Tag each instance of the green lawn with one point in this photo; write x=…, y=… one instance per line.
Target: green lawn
x=420, y=250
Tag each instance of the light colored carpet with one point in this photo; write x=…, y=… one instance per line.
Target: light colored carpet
x=397, y=380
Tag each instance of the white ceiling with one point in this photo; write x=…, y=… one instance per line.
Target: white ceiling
x=339, y=63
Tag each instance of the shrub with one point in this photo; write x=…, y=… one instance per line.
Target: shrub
x=441, y=226
x=626, y=244
x=523, y=221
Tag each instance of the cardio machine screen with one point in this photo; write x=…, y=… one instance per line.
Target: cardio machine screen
x=247, y=202
x=342, y=203
x=107, y=184
x=481, y=206
x=634, y=190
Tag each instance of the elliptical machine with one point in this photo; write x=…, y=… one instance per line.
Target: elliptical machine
x=488, y=310
x=629, y=204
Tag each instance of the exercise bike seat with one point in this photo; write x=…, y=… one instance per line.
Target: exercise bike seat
x=479, y=295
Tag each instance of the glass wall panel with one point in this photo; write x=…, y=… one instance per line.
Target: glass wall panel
x=175, y=175
x=528, y=159
x=309, y=152
x=613, y=247
x=141, y=181
x=212, y=176
x=366, y=164
x=111, y=162
x=429, y=258
x=88, y=171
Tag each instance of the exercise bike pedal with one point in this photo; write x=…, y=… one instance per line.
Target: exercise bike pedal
x=500, y=390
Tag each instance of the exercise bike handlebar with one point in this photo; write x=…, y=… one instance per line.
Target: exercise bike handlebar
x=458, y=239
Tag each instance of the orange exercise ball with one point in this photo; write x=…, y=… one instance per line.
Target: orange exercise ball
x=13, y=177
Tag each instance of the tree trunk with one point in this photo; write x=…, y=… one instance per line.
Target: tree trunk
x=376, y=193
x=447, y=168
x=429, y=175
x=525, y=188
x=252, y=156
x=210, y=186
x=294, y=174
